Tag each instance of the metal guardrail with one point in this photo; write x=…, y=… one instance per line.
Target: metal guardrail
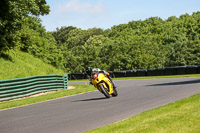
x=176, y=70
x=21, y=87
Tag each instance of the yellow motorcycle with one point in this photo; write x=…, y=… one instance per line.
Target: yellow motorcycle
x=103, y=84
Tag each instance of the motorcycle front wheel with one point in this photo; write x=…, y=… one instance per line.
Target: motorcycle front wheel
x=115, y=93
x=105, y=91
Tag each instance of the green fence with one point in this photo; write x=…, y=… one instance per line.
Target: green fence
x=21, y=87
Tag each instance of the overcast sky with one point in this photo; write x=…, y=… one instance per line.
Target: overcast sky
x=104, y=14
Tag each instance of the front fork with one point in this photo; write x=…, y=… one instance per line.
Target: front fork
x=114, y=86
x=104, y=85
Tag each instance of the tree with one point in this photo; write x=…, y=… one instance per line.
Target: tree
x=61, y=35
x=148, y=44
x=12, y=13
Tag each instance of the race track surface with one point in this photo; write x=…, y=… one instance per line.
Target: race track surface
x=87, y=111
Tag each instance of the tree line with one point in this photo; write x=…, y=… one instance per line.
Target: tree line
x=151, y=43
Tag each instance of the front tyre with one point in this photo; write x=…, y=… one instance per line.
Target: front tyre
x=115, y=93
x=104, y=91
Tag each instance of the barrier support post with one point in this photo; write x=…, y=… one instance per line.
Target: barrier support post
x=65, y=80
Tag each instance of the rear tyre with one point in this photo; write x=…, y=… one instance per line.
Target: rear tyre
x=105, y=91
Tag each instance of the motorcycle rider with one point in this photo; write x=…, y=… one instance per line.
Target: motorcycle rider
x=93, y=71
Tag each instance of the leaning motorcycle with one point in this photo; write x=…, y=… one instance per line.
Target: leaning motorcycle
x=104, y=85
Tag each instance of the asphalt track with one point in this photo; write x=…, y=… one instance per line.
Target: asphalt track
x=87, y=111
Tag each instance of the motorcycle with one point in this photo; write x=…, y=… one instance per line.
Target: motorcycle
x=104, y=84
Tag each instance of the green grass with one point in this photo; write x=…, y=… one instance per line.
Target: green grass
x=178, y=117
x=16, y=64
x=60, y=93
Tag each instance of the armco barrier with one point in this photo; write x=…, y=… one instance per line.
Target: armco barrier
x=180, y=70
x=117, y=74
x=141, y=72
x=130, y=73
x=75, y=76
x=155, y=72
x=176, y=70
x=198, y=69
x=111, y=74
x=21, y=87
x=170, y=71
x=191, y=70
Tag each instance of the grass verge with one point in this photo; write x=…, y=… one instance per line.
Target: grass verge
x=178, y=117
x=60, y=93
x=18, y=64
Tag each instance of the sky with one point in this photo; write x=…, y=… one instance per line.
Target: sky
x=105, y=14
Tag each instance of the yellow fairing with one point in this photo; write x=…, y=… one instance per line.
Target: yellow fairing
x=102, y=79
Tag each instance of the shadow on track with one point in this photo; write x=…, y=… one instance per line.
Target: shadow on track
x=91, y=99
x=178, y=83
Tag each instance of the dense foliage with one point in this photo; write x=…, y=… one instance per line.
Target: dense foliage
x=12, y=15
x=152, y=43
x=20, y=28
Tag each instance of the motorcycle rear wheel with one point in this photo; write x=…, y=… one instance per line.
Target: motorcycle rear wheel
x=104, y=91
